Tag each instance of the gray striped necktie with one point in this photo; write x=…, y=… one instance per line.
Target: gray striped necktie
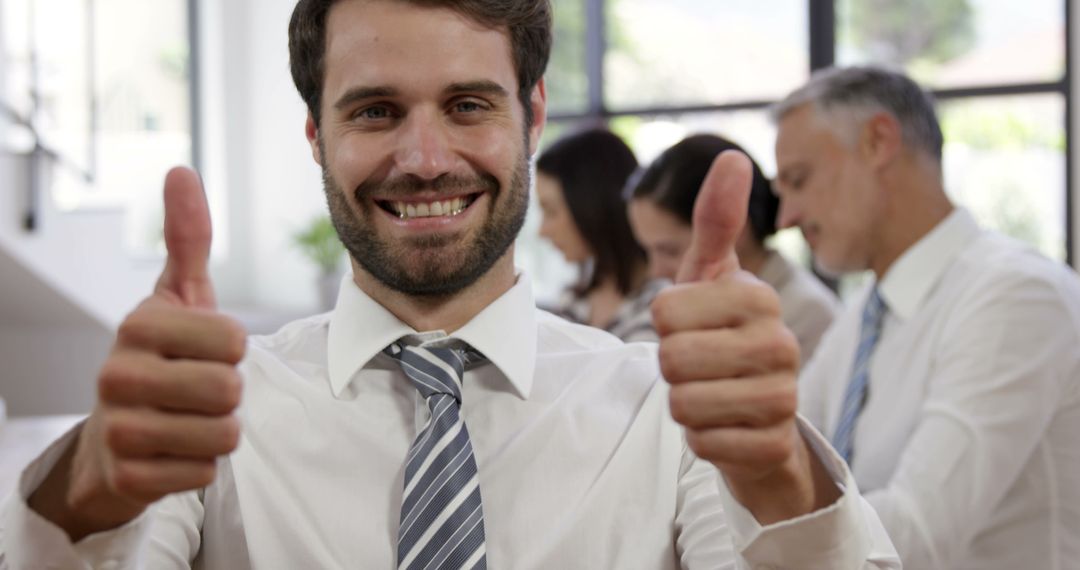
x=855, y=394
x=442, y=520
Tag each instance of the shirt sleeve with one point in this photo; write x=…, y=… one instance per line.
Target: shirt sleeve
x=844, y=535
x=28, y=540
x=980, y=416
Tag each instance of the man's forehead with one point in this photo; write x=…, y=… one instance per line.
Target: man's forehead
x=374, y=41
x=397, y=19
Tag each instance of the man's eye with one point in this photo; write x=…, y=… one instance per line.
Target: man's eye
x=373, y=113
x=467, y=107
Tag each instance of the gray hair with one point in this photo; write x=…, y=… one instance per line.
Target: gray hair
x=854, y=94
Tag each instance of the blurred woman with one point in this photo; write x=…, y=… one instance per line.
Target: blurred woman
x=661, y=212
x=579, y=184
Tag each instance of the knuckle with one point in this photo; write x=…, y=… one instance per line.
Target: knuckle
x=121, y=435
x=786, y=403
x=776, y=405
x=761, y=299
x=136, y=329
x=112, y=379
x=775, y=348
x=789, y=349
x=204, y=474
x=695, y=442
x=231, y=388
x=681, y=405
x=229, y=436
x=671, y=361
x=789, y=400
x=776, y=449
x=121, y=380
x=127, y=479
x=235, y=337
x=663, y=311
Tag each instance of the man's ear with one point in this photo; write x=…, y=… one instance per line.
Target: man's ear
x=311, y=130
x=882, y=139
x=538, y=104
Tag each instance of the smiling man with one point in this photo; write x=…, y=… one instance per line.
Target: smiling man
x=435, y=418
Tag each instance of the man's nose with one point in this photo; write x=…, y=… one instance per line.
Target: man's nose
x=787, y=215
x=424, y=147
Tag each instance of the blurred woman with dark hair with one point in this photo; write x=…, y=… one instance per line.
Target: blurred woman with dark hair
x=579, y=183
x=661, y=212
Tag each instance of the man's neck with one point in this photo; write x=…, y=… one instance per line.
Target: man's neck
x=916, y=204
x=448, y=313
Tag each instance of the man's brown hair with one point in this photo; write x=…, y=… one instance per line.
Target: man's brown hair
x=528, y=21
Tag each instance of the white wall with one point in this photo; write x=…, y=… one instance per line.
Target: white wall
x=50, y=369
x=80, y=254
x=63, y=288
x=273, y=184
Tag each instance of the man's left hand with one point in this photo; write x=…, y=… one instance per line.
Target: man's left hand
x=732, y=364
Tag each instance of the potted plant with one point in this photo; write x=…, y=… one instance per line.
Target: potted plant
x=318, y=241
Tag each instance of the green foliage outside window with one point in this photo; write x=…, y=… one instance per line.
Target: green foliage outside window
x=319, y=242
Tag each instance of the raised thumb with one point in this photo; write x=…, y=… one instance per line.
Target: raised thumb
x=187, y=239
x=719, y=216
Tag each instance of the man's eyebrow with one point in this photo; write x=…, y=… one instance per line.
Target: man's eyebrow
x=360, y=93
x=479, y=86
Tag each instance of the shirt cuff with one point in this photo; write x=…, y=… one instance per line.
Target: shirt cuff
x=845, y=534
x=28, y=540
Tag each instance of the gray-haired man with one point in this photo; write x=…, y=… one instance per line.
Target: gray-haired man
x=951, y=384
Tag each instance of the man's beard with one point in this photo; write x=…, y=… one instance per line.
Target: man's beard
x=439, y=269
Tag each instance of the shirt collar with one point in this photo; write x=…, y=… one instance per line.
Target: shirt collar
x=505, y=332
x=912, y=276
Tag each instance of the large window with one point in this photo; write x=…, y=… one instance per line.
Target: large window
x=100, y=95
x=657, y=70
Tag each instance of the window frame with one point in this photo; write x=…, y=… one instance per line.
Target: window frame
x=41, y=154
x=822, y=51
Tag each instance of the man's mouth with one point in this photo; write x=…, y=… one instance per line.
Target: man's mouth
x=435, y=208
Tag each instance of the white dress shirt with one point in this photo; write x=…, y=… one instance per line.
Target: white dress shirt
x=968, y=443
x=580, y=463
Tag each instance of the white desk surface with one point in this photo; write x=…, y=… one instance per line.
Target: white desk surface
x=22, y=440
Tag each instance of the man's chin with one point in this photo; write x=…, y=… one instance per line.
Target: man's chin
x=829, y=268
x=433, y=274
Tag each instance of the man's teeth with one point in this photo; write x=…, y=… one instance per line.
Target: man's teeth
x=430, y=209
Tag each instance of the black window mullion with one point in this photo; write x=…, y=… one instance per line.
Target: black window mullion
x=595, y=48
x=822, y=19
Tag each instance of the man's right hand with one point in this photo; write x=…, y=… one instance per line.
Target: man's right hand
x=166, y=394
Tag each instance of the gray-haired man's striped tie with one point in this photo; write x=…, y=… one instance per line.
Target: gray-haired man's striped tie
x=442, y=520
x=855, y=395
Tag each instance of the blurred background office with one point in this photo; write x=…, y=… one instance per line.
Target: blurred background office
x=99, y=97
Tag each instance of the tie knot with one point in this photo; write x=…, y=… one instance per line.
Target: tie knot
x=434, y=370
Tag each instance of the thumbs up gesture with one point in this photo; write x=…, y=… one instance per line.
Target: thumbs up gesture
x=732, y=364
x=166, y=393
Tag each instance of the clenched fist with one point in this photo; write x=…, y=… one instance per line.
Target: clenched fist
x=732, y=364
x=166, y=394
